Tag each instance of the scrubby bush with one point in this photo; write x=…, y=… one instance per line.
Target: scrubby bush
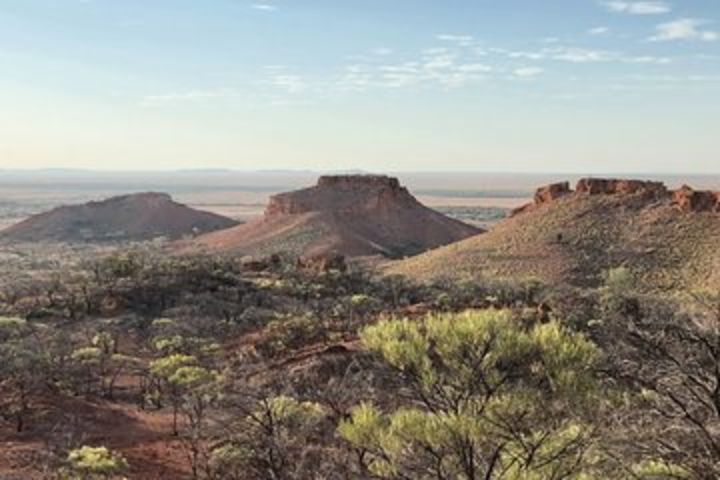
x=490, y=398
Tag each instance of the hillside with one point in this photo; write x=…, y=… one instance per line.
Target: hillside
x=353, y=215
x=667, y=238
x=131, y=217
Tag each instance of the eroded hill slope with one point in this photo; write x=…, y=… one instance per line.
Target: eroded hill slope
x=668, y=238
x=353, y=215
x=130, y=217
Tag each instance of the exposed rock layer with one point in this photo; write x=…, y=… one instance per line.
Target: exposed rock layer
x=602, y=186
x=552, y=192
x=685, y=198
x=690, y=200
x=346, y=194
x=667, y=239
x=353, y=215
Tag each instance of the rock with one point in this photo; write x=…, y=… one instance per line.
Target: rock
x=323, y=263
x=690, y=200
x=349, y=215
x=646, y=190
x=604, y=186
x=552, y=192
x=345, y=193
x=355, y=181
x=543, y=195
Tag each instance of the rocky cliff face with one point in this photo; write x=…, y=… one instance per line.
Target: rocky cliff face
x=349, y=215
x=552, y=192
x=602, y=186
x=360, y=181
x=686, y=198
x=343, y=193
x=690, y=200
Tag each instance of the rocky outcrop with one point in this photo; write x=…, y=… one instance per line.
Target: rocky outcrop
x=544, y=195
x=690, y=200
x=139, y=216
x=612, y=186
x=686, y=198
x=352, y=182
x=347, y=194
x=552, y=192
x=347, y=215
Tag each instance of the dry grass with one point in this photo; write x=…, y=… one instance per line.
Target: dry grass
x=576, y=239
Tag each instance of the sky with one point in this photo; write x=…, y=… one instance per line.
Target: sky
x=586, y=86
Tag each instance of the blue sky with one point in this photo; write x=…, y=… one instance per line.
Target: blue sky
x=485, y=85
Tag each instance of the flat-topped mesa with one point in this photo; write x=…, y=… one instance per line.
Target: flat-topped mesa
x=613, y=186
x=348, y=215
x=343, y=194
x=690, y=200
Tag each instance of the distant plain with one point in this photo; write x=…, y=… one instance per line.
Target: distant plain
x=243, y=195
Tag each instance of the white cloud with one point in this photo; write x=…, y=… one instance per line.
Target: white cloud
x=447, y=68
x=684, y=29
x=449, y=64
x=382, y=51
x=580, y=55
x=192, y=96
x=599, y=30
x=565, y=54
x=435, y=51
x=527, y=55
x=266, y=7
x=638, y=8
x=647, y=59
x=474, y=68
x=528, y=72
x=461, y=40
x=290, y=83
x=440, y=62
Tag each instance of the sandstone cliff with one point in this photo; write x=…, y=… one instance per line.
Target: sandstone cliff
x=353, y=215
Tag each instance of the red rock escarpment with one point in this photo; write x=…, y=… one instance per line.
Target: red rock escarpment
x=343, y=193
x=348, y=215
x=612, y=186
x=543, y=195
x=552, y=192
x=690, y=200
x=686, y=198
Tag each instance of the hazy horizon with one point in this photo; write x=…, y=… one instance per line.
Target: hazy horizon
x=358, y=171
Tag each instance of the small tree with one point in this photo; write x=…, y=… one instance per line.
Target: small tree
x=22, y=369
x=670, y=360
x=488, y=399
x=198, y=387
x=268, y=440
x=100, y=366
x=163, y=369
x=90, y=463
